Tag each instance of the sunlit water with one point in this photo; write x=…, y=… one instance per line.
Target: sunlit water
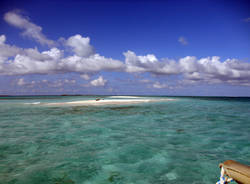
x=172, y=142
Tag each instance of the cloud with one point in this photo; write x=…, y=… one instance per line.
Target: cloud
x=68, y=81
x=247, y=19
x=144, y=81
x=54, y=53
x=83, y=59
x=21, y=82
x=159, y=85
x=18, y=61
x=44, y=82
x=93, y=63
x=7, y=50
x=192, y=70
x=183, y=40
x=212, y=70
x=2, y=39
x=138, y=63
x=149, y=63
x=85, y=76
x=80, y=45
x=28, y=61
x=58, y=83
x=98, y=82
x=30, y=29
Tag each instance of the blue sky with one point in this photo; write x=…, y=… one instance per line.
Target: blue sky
x=124, y=47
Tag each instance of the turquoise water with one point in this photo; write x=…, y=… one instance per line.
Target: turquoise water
x=173, y=142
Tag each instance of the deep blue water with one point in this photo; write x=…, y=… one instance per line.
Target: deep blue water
x=173, y=142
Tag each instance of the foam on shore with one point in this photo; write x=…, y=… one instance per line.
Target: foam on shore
x=107, y=102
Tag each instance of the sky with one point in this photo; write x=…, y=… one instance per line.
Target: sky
x=188, y=48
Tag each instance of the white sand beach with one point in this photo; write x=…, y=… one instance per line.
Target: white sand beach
x=107, y=102
x=125, y=97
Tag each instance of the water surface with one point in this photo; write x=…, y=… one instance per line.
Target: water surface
x=173, y=142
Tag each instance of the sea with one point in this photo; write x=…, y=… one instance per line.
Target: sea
x=182, y=141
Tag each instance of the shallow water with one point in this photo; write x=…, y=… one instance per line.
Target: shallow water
x=180, y=141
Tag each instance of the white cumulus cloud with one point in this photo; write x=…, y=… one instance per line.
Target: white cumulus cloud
x=80, y=45
x=149, y=63
x=27, y=61
x=192, y=70
x=85, y=61
x=30, y=29
x=93, y=63
x=98, y=82
x=18, y=61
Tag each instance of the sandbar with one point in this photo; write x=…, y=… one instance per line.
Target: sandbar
x=107, y=102
x=125, y=97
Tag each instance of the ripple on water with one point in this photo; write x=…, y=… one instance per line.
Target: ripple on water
x=176, y=142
